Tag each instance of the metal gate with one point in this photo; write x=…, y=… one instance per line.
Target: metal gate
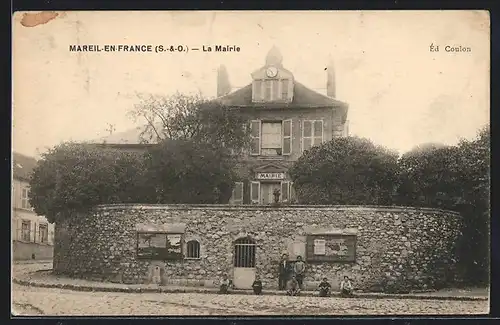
x=244, y=252
x=244, y=262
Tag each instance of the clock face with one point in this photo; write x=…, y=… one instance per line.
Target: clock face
x=271, y=72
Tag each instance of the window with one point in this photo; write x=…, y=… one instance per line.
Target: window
x=255, y=137
x=25, y=203
x=237, y=197
x=26, y=230
x=193, y=249
x=271, y=138
x=43, y=233
x=257, y=90
x=284, y=89
x=312, y=134
x=268, y=88
x=159, y=246
x=255, y=192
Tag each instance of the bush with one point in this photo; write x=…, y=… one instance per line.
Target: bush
x=75, y=177
x=186, y=172
x=346, y=170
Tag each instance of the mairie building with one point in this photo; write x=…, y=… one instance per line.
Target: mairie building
x=286, y=119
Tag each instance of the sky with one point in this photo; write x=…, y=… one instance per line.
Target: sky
x=400, y=94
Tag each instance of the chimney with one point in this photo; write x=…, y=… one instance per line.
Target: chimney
x=330, y=82
x=223, y=85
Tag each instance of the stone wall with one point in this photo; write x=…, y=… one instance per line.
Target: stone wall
x=398, y=249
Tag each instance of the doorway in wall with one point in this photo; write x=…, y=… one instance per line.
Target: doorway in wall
x=266, y=191
x=244, y=263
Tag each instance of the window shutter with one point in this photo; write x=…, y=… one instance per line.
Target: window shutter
x=255, y=137
x=287, y=137
x=255, y=192
x=292, y=192
x=285, y=191
x=237, y=193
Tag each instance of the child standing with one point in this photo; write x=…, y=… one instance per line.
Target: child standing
x=299, y=269
x=293, y=287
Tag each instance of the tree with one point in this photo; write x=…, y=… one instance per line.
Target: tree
x=455, y=178
x=74, y=177
x=429, y=175
x=184, y=171
x=187, y=117
x=347, y=170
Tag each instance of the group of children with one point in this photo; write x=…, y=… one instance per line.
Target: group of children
x=294, y=286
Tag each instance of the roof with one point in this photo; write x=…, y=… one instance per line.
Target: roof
x=22, y=166
x=303, y=97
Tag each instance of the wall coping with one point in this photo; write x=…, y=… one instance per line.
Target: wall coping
x=227, y=207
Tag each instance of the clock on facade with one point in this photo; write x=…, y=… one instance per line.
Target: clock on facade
x=271, y=72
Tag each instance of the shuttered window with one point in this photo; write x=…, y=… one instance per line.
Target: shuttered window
x=312, y=134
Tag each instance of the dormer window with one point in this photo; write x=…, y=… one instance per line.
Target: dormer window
x=271, y=90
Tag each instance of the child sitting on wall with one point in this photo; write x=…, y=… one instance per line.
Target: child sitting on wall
x=324, y=288
x=293, y=287
x=225, y=283
x=257, y=285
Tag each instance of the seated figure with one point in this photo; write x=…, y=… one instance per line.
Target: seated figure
x=225, y=283
x=257, y=285
x=346, y=287
x=324, y=288
x=293, y=287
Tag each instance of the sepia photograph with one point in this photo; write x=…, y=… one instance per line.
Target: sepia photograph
x=250, y=163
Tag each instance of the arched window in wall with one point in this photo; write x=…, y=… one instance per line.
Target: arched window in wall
x=193, y=249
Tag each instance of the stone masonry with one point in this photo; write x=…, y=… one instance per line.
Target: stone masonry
x=397, y=249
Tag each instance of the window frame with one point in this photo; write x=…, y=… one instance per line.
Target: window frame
x=197, y=248
x=284, y=83
x=46, y=233
x=26, y=222
x=25, y=202
x=312, y=137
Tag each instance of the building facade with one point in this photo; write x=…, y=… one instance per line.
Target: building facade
x=286, y=119
x=32, y=235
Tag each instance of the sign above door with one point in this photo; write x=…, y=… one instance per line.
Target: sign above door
x=266, y=176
